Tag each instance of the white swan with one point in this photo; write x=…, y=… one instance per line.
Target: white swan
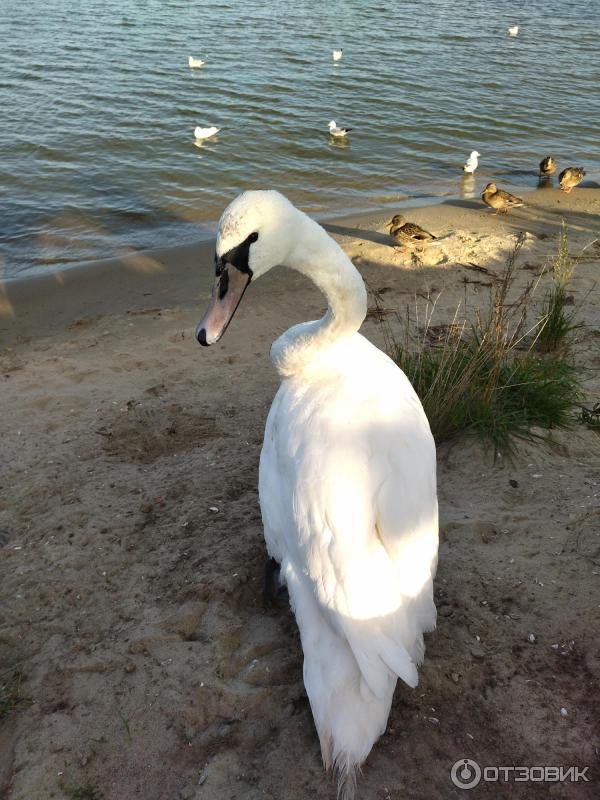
x=336, y=131
x=513, y=30
x=195, y=63
x=471, y=163
x=347, y=481
x=205, y=133
x=337, y=55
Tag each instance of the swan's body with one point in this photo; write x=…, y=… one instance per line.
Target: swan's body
x=513, y=30
x=205, y=133
x=337, y=55
x=347, y=482
x=471, y=163
x=337, y=131
x=195, y=63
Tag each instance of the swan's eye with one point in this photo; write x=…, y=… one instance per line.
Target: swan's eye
x=238, y=256
x=223, y=284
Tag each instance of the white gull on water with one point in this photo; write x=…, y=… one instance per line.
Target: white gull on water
x=205, y=133
x=336, y=131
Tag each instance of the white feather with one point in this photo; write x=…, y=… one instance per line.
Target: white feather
x=347, y=487
x=205, y=133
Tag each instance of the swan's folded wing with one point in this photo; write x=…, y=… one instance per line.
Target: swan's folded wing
x=373, y=563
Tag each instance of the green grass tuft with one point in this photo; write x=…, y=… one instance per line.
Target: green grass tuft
x=492, y=378
x=10, y=691
x=472, y=388
x=590, y=417
x=85, y=792
x=556, y=324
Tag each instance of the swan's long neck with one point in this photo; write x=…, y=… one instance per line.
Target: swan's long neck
x=321, y=259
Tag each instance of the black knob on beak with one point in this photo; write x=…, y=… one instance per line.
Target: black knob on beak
x=201, y=336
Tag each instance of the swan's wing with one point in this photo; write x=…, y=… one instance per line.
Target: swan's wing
x=272, y=499
x=385, y=593
x=364, y=523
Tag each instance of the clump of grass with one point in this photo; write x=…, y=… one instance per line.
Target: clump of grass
x=10, y=691
x=86, y=792
x=556, y=323
x=488, y=377
x=590, y=417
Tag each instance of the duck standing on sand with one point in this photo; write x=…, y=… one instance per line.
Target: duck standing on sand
x=409, y=234
x=570, y=177
x=547, y=167
x=500, y=199
x=471, y=163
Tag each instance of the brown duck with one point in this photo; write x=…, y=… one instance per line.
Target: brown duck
x=499, y=199
x=409, y=234
x=570, y=177
x=547, y=167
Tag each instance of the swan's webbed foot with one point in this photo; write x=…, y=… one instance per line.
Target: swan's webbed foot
x=271, y=584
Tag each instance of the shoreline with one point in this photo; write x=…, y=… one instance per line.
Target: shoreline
x=417, y=202
x=322, y=217
x=172, y=275
x=372, y=205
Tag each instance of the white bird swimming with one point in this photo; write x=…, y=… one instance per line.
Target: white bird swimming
x=471, y=163
x=337, y=55
x=513, y=30
x=347, y=481
x=205, y=133
x=337, y=132
x=195, y=63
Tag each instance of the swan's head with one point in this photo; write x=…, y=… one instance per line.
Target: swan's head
x=256, y=233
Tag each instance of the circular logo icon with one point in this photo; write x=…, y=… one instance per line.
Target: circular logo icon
x=465, y=773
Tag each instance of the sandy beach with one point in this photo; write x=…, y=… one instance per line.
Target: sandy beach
x=132, y=549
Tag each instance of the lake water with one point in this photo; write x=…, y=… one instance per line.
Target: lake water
x=98, y=107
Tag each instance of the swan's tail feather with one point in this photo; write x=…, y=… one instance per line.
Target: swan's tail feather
x=349, y=685
x=349, y=718
x=326, y=751
x=346, y=773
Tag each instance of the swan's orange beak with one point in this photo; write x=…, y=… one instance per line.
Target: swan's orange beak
x=229, y=287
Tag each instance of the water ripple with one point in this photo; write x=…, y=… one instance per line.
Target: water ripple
x=99, y=106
